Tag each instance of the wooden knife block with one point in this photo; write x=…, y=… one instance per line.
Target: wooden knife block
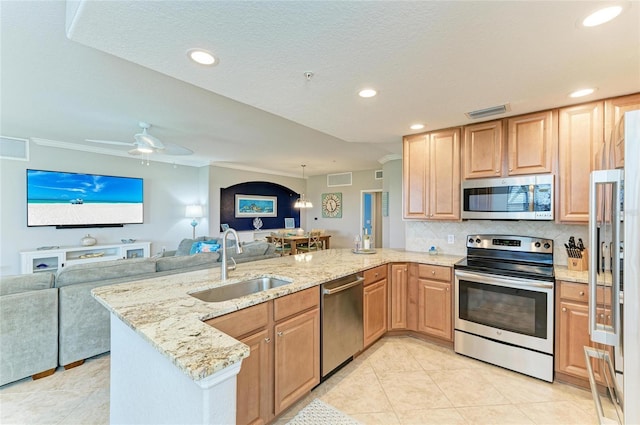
x=579, y=264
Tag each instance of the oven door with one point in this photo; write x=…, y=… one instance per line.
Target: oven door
x=506, y=309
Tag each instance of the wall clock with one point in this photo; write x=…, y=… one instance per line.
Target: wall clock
x=332, y=205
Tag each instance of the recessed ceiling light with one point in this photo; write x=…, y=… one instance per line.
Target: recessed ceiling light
x=417, y=127
x=601, y=16
x=367, y=93
x=582, y=92
x=201, y=56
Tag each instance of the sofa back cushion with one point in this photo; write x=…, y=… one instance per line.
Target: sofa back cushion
x=184, y=248
x=26, y=282
x=249, y=249
x=182, y=262
x=104, y=270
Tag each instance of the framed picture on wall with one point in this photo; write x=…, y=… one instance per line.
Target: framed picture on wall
x=256, y=206
x=289, y=223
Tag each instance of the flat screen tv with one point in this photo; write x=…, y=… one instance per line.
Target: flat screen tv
x=62, y=199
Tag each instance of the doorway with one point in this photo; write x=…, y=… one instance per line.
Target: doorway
x=371, y=215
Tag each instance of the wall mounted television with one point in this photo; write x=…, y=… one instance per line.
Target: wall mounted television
x=75, y=200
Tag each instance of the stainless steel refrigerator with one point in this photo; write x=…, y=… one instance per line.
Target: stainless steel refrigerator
x=614, y=275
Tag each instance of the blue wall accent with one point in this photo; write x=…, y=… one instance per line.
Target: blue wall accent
x=286, y=199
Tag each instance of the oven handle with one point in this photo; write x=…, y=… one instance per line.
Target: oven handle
x=515, y=282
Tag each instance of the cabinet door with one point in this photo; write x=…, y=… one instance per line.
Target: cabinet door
x=615, y=109
x=573, y=336
x=253, y=399
x=398, y=296
x=580, y=136
x=482, y=148
x=375, y=311
x=415, y=167
x=434, y=308
x=532, y=141
x=297, y=358
x=444, y=175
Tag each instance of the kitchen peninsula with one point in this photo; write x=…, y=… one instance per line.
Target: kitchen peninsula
x=169, y=366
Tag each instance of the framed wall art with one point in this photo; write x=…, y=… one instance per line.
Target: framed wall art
x=256, y=206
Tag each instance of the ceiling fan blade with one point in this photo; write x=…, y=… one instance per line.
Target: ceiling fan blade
x=148, y=140
x=171, y=149
x=109, y=142
x=134, y=152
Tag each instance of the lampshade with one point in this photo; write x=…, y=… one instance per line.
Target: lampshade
x=303, y=202
x=194, y=211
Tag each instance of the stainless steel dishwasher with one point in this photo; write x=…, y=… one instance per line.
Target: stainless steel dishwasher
x=342, y=328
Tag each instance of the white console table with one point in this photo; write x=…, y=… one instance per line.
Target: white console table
x=42, y=260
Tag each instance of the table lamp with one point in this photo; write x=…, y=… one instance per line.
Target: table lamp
x=193, y=212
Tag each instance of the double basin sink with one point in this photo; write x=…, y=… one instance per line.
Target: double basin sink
x=240, y=289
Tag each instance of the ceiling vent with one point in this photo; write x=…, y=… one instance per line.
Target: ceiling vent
x=13, y=148
x=340, y=179
x=486, y=112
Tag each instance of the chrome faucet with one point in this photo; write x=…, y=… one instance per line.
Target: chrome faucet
x=224, y=268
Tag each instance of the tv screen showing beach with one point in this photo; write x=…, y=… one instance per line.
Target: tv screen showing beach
x=74, y=199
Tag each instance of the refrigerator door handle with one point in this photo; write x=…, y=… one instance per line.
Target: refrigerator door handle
x=603, y=358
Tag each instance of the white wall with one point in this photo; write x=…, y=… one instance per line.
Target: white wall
x=343, y=229
x=167, y=190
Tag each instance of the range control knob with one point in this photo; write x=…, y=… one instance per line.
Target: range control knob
x=537, y=244
x=470, y=240
x=547, y=245
x=478, y=240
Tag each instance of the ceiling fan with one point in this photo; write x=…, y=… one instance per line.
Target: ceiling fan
x=145, y=143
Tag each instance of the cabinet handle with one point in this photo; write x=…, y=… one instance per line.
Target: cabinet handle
x=280, y=333
x=497, y=171
x=375, y=275
x=433, y=272
x=601, y=315
x=564, y=308
x=581, y=293
x=447, y=289
x=608, y=317
x=267, y=340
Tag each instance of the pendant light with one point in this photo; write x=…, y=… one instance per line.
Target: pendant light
x=303, y=202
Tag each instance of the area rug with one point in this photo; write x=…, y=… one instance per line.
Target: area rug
x=318, y=412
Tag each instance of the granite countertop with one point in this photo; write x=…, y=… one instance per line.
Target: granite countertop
x=163, y=313
x=563, y=273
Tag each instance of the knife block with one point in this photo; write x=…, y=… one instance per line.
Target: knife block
x=579, y=264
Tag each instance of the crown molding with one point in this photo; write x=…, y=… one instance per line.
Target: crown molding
x=390, y=157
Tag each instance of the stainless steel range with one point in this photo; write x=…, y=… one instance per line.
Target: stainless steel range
x=504, y=303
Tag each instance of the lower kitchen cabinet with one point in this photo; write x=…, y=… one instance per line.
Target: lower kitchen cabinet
x=297, y=358
x=435, y=301
x=398, y=296
x=284, y=361
x=374, y=304
x=572, y=333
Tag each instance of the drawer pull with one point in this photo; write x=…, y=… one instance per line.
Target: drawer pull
x=581, y=293
x=280, y=333
x=433, y=272
x=376, y=275
x=267, y=340
x=564, y=308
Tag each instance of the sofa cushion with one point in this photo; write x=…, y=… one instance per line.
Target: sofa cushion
x=174, y=263
x=249, y=249
x=104, y=270
x=26, y=282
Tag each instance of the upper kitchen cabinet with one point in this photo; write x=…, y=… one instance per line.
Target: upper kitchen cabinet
x=614, y=111
x=431, y=175
x=580, y=135
x=532, y=141
x=482, y=147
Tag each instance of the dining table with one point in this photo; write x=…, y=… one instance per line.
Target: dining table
x=295, y=240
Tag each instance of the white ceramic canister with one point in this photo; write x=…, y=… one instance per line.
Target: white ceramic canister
x=88, y=240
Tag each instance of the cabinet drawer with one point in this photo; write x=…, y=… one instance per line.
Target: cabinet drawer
x=580, y=292
x=295, y=303
x=426, y=271
x=242, y=322
x=375, y=274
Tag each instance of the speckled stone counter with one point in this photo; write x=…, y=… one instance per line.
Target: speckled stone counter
x=563, y=273
x=163, y=313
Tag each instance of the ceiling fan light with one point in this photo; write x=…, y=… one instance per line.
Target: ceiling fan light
x=144, y=149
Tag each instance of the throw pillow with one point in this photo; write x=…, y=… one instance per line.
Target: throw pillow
x=204, y=246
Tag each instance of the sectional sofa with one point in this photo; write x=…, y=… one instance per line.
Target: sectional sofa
x=49, y=320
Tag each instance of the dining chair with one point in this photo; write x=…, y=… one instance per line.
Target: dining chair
x=282, y=248
x=314, y=243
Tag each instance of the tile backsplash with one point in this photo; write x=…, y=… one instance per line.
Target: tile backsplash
x=420, y=235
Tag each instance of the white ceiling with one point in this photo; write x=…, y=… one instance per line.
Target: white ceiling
x=93, y=69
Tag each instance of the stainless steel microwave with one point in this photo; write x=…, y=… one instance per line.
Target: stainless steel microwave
x=510, y=198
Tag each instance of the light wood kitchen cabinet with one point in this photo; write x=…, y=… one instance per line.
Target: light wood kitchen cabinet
x=614, y=110
x=431, y=175
x=580, y=135
x=374, y=304
x=283, y=336
x=572, y=333
x=435, y=301
x=398, y=296
x=482, y=147
x=297, y=352
x=532, y=143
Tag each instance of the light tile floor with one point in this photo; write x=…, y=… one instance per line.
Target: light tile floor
x=400, y=380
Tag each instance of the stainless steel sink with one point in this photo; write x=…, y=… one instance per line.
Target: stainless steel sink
x=240, y=289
